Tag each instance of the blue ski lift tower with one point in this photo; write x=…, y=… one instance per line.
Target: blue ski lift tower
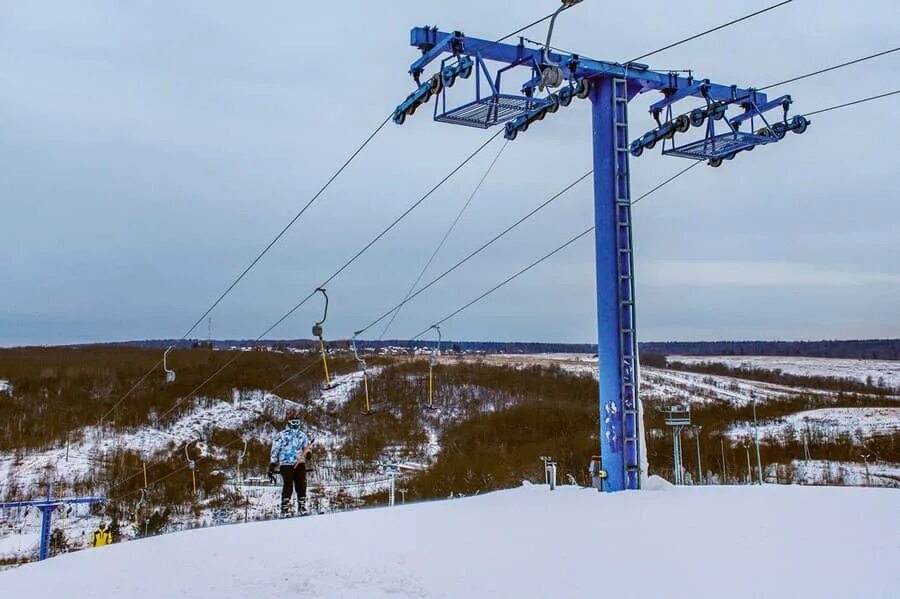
x=718, y=112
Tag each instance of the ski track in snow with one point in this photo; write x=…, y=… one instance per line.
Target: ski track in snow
x=815, y=472
x=799, y=542
x=859, y=370
x=861, y=423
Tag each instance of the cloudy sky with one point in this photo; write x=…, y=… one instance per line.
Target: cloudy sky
x=149, y=150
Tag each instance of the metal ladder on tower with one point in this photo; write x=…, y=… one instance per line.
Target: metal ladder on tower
x=625, y=266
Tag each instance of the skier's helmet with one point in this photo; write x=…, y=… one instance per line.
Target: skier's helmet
x=293, y=418
x=102, y=526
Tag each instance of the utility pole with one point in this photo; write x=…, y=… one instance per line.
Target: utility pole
x=865, y=458
x=402, y=495
x=724, y=465
x=610, y=86
x=759, y=473
x=699, y=467
x=749, y=468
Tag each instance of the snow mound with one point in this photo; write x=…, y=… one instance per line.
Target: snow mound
x=525, y=542
x=657, y=483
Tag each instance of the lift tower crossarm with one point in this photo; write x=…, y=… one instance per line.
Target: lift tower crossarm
x=51, y=502
x=47, y=507
x=433, y=43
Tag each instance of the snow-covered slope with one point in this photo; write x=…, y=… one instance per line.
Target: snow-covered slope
x=770, y=541
x=860, y=423
x=884, y=372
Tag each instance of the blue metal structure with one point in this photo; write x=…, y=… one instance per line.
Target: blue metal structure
x=609, y=86
x=47, y=507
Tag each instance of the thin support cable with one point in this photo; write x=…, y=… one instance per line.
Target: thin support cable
x=543, y=258
x=708, y=31
x=334, y=275
x=853, y=103
x=477, y=251
x=506, y=281
x=440, y=245
x=834, y=68
x=666, y=182
x=288, y=226
x=256, y=260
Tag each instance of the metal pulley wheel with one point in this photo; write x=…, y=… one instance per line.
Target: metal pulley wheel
x=551, y=77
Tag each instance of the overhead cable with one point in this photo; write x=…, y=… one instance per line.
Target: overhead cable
x=477, y=251
x=543, y=258
x=443, y=240
x=853, y=103
x=708, y=31
x=835, y=67
x=346, y=264
x=254, y=262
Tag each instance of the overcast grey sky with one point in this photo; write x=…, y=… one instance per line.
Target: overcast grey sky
x=150, y=149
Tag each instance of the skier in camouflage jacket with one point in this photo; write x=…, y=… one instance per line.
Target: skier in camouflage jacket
x=290, y=451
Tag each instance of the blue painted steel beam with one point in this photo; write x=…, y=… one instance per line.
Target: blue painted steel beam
x=434, y=42
x=51, y=502
x=47, y=507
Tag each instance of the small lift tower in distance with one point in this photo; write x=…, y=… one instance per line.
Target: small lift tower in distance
x=47, y=507
x=609, y=86
x=678, y=417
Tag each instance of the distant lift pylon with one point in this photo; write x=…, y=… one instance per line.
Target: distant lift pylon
x=609, y=86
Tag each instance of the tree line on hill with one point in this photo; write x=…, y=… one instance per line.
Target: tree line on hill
x=862, y=349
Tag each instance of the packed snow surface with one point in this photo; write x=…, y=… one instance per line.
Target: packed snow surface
x=772, y=541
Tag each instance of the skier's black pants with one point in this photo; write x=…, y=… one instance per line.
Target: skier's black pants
x=293, y=476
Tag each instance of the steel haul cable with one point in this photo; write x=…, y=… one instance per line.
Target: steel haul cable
x=255, y=261
x=853, y=103
x=829, y=69
x=678, y=43
x=544, y=258
x=635, y=201
x=708, y=31
x=335, y=274
x=440, y=245
x=477, y=251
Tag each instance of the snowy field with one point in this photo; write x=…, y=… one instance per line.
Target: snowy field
x=817, y=472
x=528, y=542
x=886, y=370
x=861, y=423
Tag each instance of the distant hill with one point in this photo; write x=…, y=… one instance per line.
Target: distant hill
x=871, y=349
